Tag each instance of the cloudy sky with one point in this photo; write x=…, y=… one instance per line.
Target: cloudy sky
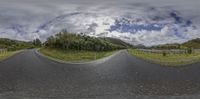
x=147, y=22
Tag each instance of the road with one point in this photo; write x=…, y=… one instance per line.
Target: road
x=29, y=75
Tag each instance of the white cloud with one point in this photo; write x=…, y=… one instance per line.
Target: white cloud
x=40, y=19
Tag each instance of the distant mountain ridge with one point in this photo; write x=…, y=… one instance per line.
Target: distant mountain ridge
x=117, y=42
x=194, y=43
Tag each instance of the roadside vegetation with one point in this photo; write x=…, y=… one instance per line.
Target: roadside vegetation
x=69, y=41
x=170, y=54
x=10, y=47
x=14, y=45
x=74, y=55
x=80, y=48
x=5, y=54
x=168, y=59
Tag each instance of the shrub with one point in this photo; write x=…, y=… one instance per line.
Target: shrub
x=164, y=53
x=189, y=50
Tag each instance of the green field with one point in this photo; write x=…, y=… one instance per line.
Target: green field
x=73, y=55
x=168, y=60
x=8, y=54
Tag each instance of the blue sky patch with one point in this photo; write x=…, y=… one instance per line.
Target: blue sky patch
x=126, y=26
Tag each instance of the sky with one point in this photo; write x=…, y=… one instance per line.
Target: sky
x=147, y=22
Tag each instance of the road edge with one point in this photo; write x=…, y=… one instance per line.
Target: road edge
x=18, y=52
x=161, y=65
x=98, y=61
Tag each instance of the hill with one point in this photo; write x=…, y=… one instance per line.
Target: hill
x=167, y=46
x=70, y=41
x=14, y=44
x=117, y=42
x=195, y=43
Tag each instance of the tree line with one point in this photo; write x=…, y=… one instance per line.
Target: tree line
x=71, y=41
x=12, y=45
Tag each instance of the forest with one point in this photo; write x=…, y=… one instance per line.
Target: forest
x=71, y=41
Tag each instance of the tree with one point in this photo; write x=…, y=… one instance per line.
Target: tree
x=189, y=50
x=164, y=53
x=37, y=42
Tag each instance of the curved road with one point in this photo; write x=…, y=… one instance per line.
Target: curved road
x=28, y=75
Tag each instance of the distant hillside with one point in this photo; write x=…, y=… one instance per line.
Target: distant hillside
x=14, y=44
x=117, y=42
x=68, y=41
x=140, y=46
x=195, y=43
x=167, y=46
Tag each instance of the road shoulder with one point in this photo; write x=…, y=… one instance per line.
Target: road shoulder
x=98, y=61
x=9, y=55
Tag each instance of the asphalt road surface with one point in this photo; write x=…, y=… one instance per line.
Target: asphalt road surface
x=29, y=75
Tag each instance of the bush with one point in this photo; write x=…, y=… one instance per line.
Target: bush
x=189, y=50
x=164, y=53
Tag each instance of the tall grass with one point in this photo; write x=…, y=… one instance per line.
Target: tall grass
x=4, y=55
x=74, y=55
x=168, y=59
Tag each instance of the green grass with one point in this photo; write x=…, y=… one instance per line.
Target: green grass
x=169, y=60
x=8, y=54
x=74, y=56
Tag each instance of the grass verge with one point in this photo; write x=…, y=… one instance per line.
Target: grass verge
x=169, y=60
x=74, y=56
x=8, y=54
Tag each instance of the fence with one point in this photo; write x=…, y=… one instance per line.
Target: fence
x=196, y=51
x=3, y=51
x=172, y=51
